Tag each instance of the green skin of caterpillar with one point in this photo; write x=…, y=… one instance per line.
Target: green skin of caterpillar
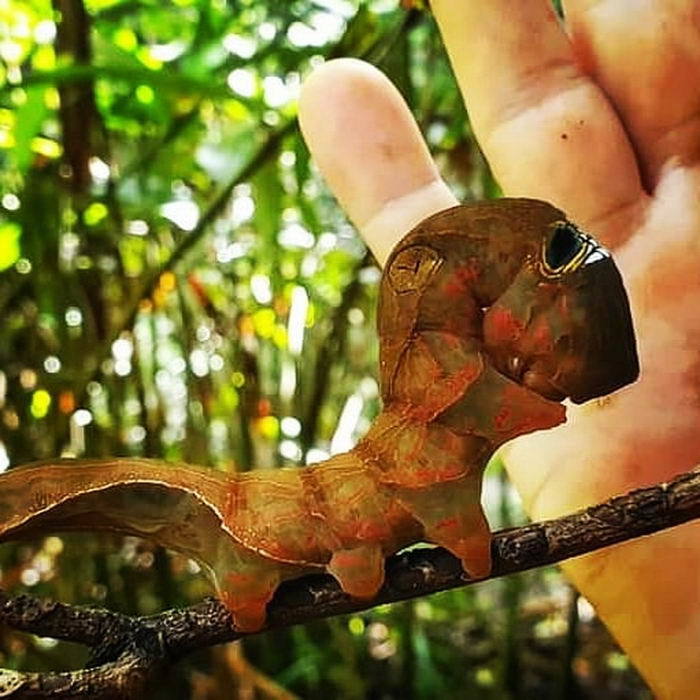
x=489, y=316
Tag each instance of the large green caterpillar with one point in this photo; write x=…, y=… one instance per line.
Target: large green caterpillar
x=490, y=314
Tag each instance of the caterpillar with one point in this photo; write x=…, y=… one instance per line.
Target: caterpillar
x=490, y=314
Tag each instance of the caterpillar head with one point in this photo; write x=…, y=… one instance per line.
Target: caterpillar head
x=562, y=327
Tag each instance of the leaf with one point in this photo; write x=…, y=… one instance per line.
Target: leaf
x=159, y=79
x=10, y=233
x=396, y=65
x=268, y=203
x=28, y=122
x=360, y=33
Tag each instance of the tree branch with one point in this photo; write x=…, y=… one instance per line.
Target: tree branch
x=128, y=652
x=77, y=110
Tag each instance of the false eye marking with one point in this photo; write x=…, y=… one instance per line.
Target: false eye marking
x=412, y=267
x=568, y=249
x=563, y=246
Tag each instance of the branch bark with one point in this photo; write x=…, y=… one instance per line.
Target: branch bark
x=128, y=652
x=78, y=111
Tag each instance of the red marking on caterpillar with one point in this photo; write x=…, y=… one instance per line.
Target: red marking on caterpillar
x=505, y=326
x=502, y=418
x=448, y=523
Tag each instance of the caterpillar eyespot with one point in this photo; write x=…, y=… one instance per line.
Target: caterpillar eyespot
x=412, y=268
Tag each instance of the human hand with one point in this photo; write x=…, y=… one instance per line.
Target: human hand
x=603, y=120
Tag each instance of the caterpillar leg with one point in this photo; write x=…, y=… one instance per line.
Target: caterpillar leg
x=452, y=517
x=360, y=571
x=246, y=585
x=246, y=596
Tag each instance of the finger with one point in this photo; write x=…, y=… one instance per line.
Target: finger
x=650, y=68
x=546, y=129
x=368, y=147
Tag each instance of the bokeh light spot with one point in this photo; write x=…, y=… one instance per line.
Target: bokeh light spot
x=41, y=402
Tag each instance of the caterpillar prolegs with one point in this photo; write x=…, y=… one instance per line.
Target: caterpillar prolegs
x=490, y=314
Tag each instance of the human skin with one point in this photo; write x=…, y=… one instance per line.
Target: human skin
x=601, y=117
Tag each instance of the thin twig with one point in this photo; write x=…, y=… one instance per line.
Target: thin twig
x=242, y=669
x=131, y=651
x=332, y=348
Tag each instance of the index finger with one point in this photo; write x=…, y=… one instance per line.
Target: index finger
x=547, y=129
x=370, y=151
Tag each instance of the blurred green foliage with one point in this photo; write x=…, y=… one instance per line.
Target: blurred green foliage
x=176, y=281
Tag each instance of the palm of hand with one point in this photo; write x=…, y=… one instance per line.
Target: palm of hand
x=643, y=198
x=603, y=120
x=647, y=432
